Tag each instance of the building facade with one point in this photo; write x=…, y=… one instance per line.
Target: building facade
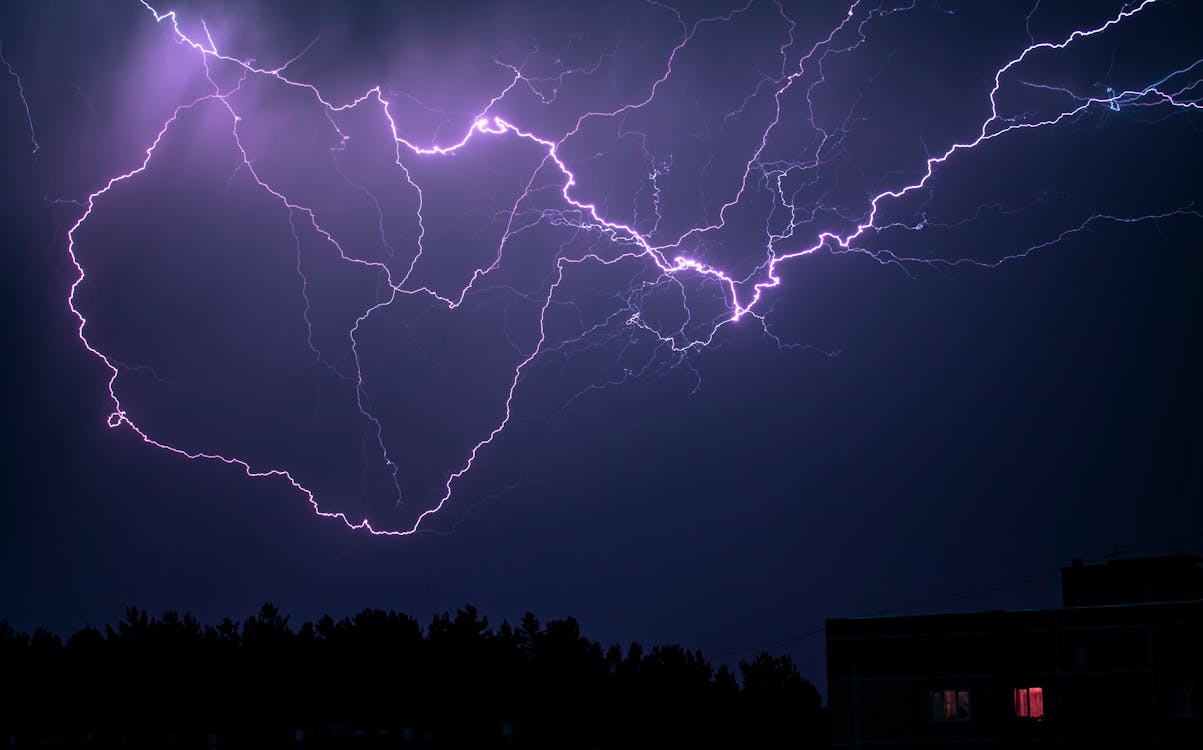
x=1107, y=675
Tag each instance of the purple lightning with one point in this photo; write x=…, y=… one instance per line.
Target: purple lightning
x=33, y=136
x=744, y=294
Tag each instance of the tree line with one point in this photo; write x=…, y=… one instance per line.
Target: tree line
x=378, y=679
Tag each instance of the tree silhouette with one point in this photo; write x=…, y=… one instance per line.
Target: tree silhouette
x=377, y=679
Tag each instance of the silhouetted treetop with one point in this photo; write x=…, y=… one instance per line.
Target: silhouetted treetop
x=457, y=683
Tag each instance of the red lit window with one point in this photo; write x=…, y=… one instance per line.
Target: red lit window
x=1029, y=703
x=950, y=705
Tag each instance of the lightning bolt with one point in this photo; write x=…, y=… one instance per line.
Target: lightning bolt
x=671, y=261
x=33, y=136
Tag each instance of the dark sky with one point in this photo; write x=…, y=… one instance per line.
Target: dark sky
x=897, y=431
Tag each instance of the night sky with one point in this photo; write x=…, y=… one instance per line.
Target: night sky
x=713, y=443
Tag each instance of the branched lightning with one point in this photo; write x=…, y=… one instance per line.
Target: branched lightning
x=673, y=262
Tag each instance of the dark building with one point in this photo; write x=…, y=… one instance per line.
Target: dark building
x=1124, y=668
x=1174, y=578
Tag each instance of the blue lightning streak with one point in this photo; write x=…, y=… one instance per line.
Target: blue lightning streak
x=33, y=136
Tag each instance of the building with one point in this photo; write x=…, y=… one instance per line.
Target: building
x=1122, y=669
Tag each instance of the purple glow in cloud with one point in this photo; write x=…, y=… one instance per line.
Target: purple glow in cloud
x=671, y=264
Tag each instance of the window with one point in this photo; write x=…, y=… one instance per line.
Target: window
x=1080, y=654
x=1188, y=700
x=950, y=705
x=1029, y=703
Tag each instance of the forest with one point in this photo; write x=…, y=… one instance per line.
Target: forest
x=379, y=679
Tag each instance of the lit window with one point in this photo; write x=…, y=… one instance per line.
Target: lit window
x=950, y=705
x=1029, y=703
